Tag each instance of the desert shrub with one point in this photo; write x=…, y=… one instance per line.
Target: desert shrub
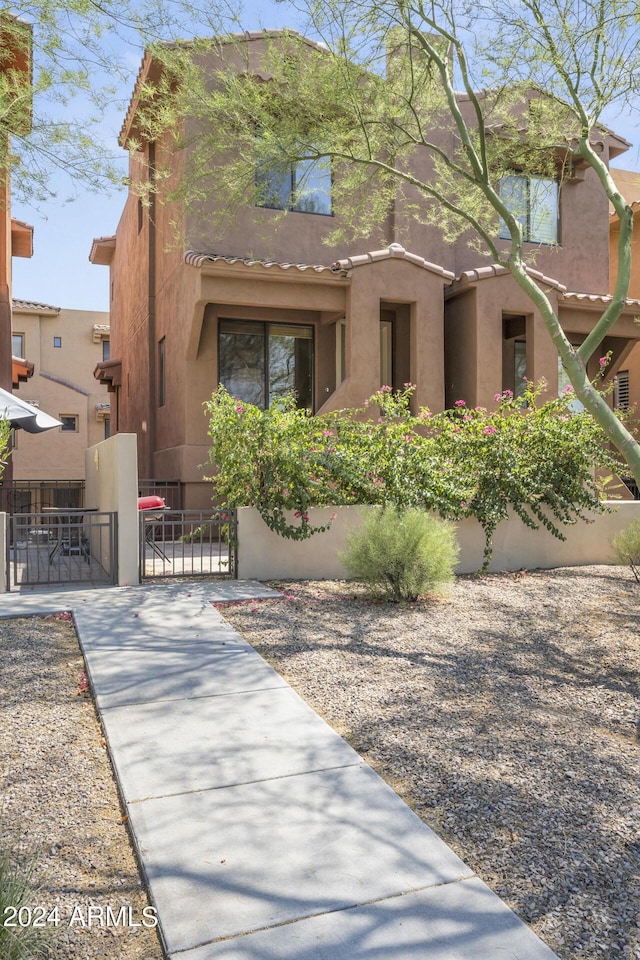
x=19, y=938
x=401, y=553
x=626, y=548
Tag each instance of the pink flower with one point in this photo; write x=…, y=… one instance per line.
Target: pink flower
x=603, y=361
x=498, y=397
x=239, y=408
x=567, y=390
x=460, y=403
x=327, y=433
x=333, y=517
x=489, y=430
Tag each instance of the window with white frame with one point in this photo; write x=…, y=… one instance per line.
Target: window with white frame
x=533, y=201
x=17, y=345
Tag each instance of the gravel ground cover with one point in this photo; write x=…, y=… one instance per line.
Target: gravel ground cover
x=505, y=715
x=58, y=799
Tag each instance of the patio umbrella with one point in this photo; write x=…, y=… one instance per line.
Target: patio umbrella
x=23, y=416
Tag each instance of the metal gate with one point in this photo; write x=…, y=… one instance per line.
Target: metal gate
x=188, y=543
x=62, y=546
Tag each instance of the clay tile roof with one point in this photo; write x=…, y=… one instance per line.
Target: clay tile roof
x=394, y=250
x=496, y=270
x=199, y=259
x=598, y=299
x=33, y=307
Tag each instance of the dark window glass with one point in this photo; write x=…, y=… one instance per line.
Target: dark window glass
x=17, y=345
x=534, y=202
x=106, y=349
x=69, y=423
x=258, y=362
x=304, y=187
x=57, y=341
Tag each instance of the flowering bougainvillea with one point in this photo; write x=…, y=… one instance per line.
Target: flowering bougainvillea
x=535, y=458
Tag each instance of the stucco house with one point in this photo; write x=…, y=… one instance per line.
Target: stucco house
x=265, y=305
x=62, y=348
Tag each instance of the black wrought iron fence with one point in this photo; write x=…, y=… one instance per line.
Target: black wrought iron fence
x=36, y=496
x=169, y=490
x=62, y=545
x=188, y=543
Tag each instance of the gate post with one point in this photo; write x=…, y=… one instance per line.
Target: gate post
x=5, y=566
x=112, y=486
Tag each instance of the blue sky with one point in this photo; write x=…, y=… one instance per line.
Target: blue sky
x=59, y=273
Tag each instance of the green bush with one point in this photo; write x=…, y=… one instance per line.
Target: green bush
x=24, y=940
x=402, y=553
x=626, y=547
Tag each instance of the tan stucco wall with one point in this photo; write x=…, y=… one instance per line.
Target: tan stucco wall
x=112, y=486
x=263, y=555
x=58, y=454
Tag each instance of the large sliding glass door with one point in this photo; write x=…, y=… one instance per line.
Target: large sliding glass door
x=258, y=362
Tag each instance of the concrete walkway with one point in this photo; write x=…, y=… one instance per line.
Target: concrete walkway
x=261, y=833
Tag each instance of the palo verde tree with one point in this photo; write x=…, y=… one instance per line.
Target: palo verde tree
x=440, y=101
x=65, y=65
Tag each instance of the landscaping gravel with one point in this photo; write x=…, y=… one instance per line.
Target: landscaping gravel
x=59, y=802
x=505, y=714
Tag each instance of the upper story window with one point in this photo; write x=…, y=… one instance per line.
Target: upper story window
x=304, y=188
x=69, y=423
x=17, y=345
x=534, y=202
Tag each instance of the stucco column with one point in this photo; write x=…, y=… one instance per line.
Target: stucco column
x=362, y=340
x=489, y=348
x=427, y=346
x=542, y=356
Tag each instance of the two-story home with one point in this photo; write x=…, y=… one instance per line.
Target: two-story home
x=265, y=306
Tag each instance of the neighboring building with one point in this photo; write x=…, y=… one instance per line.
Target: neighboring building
x=63, y=347
x=266, y=306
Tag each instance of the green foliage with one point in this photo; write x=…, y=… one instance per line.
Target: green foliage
x=626, y=548
x=537, y=460
x=24, y=941
x=402, y=553
x=5, y=437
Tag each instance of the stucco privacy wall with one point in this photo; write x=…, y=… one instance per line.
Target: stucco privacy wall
x=112, y=485
x=3, y=553
x=263, y=555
